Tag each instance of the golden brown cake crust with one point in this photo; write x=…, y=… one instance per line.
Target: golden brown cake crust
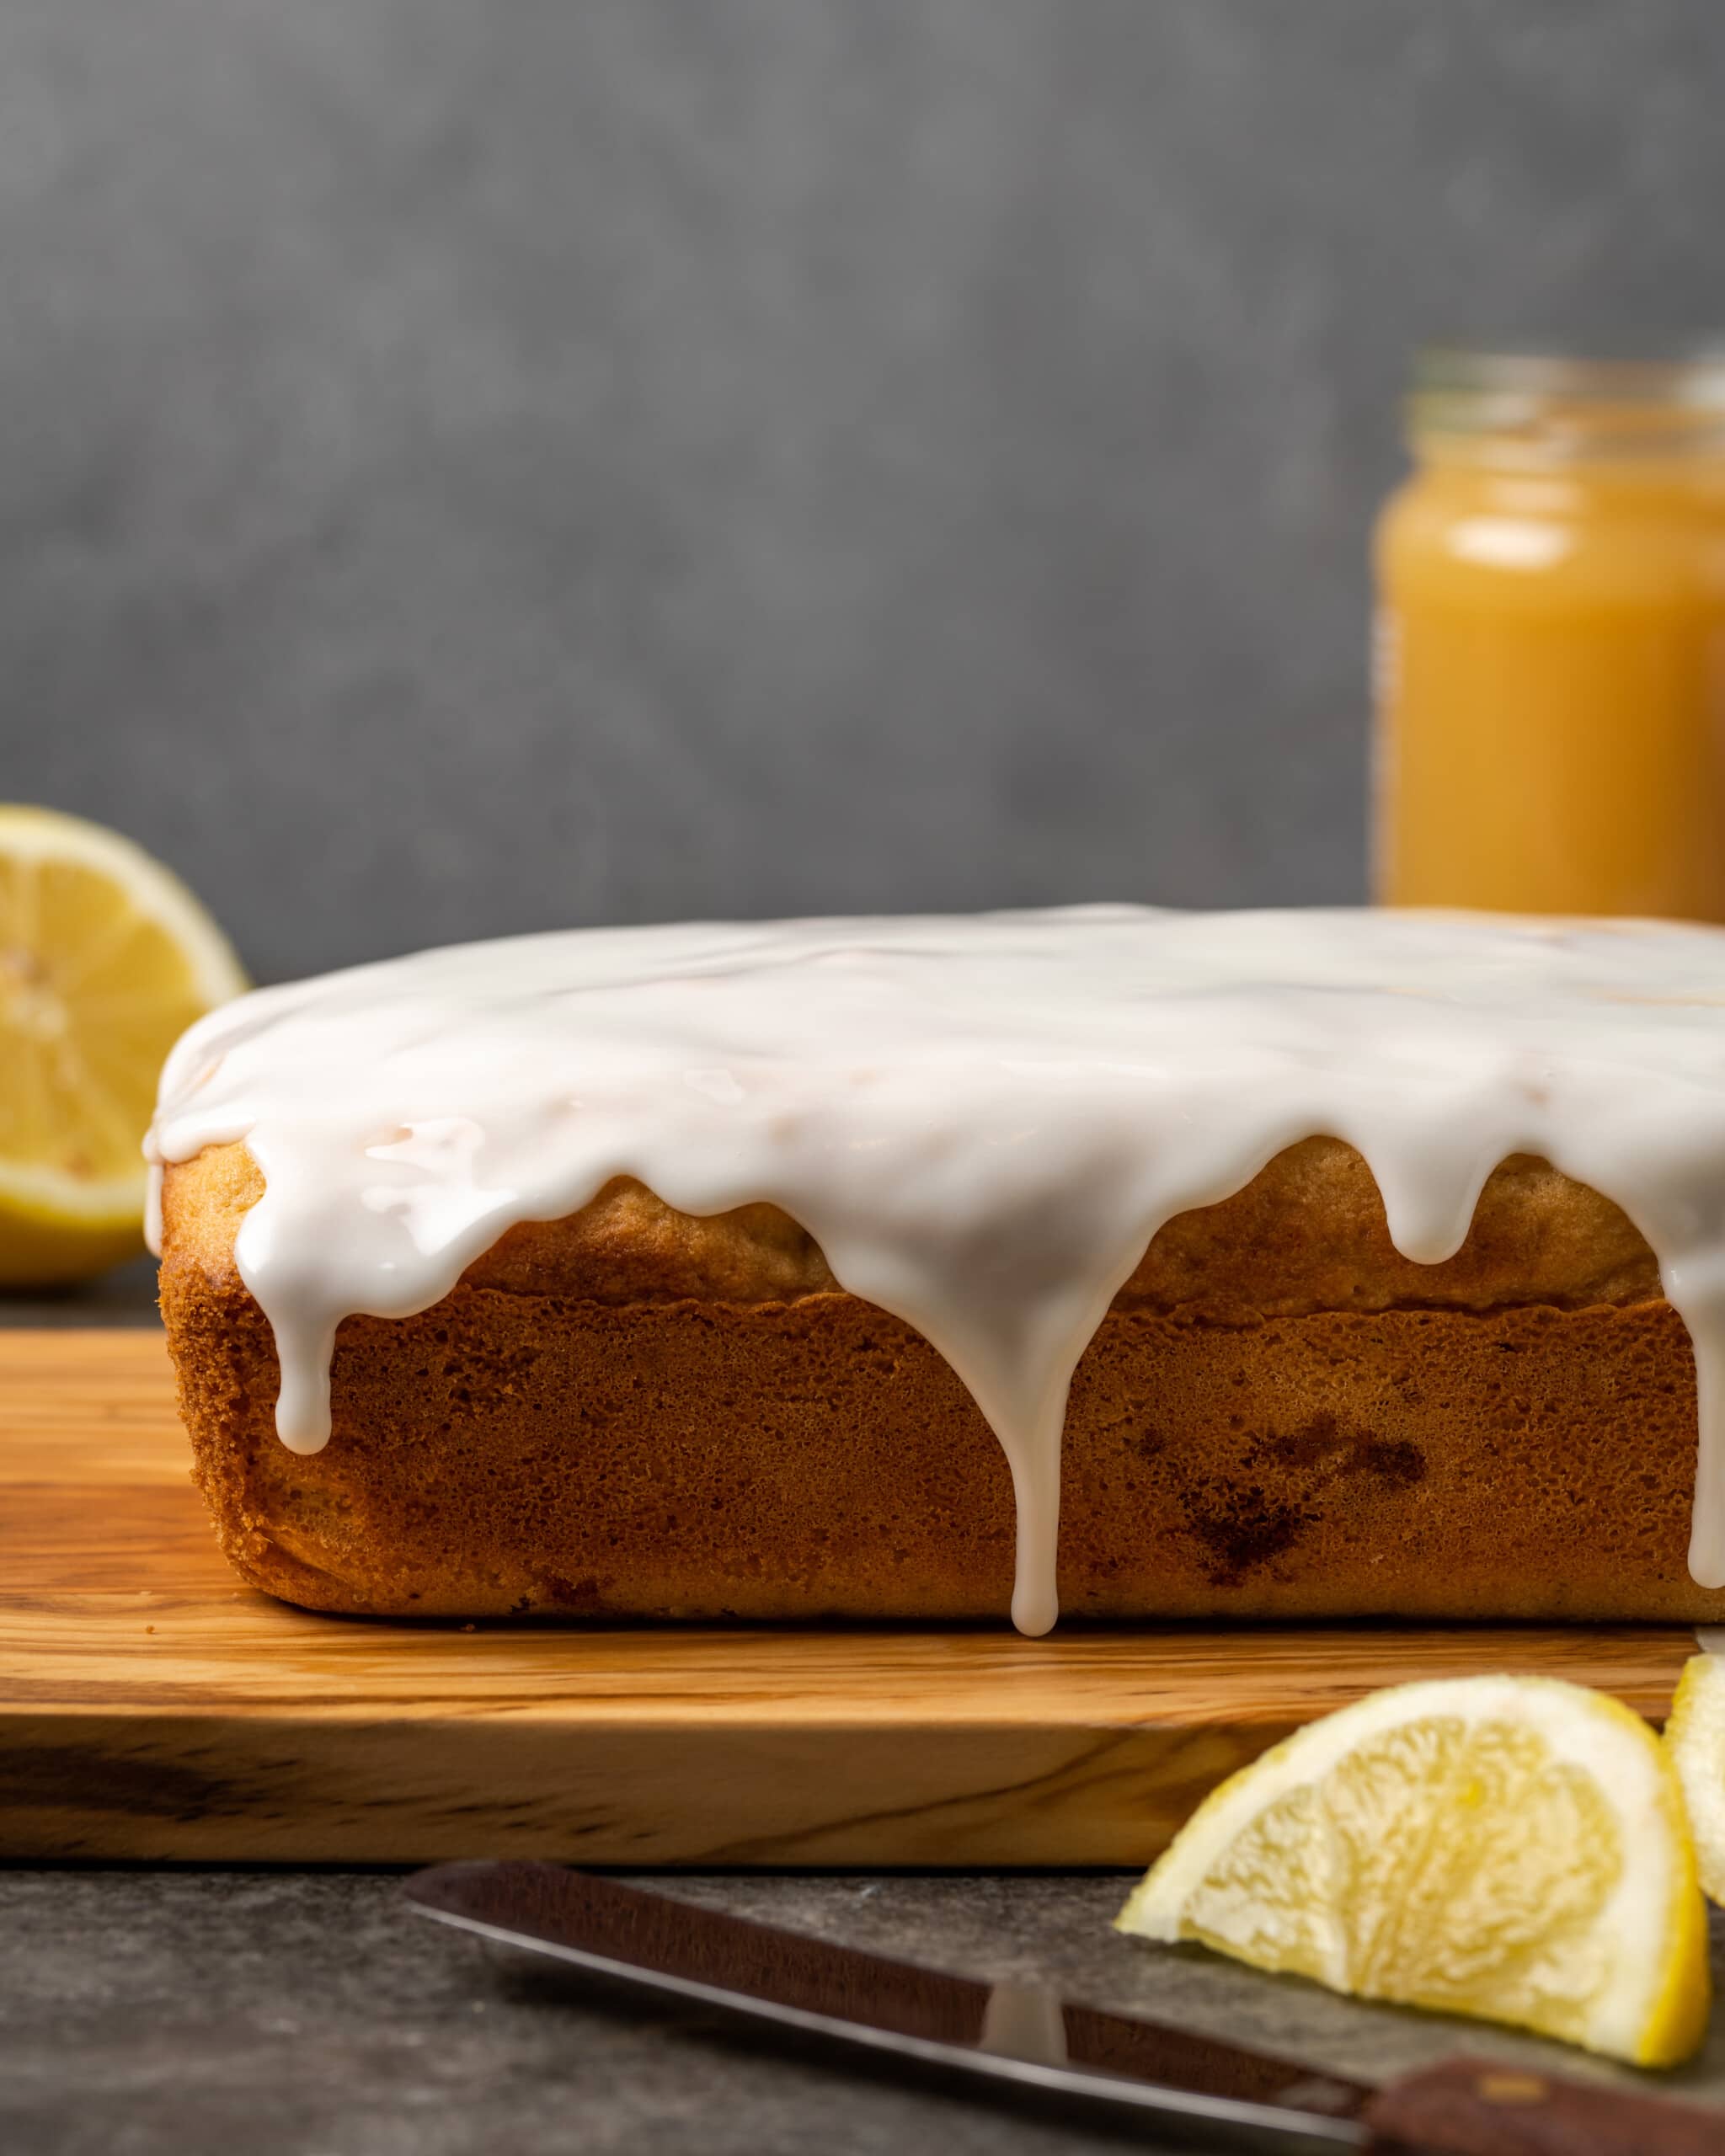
x=1307, y=1234
x=632, y=1413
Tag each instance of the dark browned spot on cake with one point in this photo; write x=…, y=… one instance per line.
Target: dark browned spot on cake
x=1395, y=1461
x=1245, y=1525
x=1242, y=1527
x=1324, y=1442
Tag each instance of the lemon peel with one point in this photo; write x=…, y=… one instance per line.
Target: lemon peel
x=1513, y=1849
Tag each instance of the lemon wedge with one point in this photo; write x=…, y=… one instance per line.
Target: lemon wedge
x=105, y=958
x=1694, y=1735
x=1510, y=1847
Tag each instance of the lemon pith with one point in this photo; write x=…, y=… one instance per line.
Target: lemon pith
x=1512, y=1848
x=105, y=958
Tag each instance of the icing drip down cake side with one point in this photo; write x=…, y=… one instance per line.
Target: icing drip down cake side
x=1128, y=1263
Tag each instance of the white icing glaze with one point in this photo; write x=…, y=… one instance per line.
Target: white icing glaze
x=982, y=1122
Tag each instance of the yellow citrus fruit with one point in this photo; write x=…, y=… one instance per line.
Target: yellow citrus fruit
x=1696, y=1738
x=1510, y=1848
x=105, y=958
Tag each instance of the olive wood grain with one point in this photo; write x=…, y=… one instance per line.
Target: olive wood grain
x=151, y=1708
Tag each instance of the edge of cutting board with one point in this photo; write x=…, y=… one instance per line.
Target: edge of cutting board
x=152, y=1709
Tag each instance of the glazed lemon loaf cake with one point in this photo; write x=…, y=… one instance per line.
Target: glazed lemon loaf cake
x=1136, y=1263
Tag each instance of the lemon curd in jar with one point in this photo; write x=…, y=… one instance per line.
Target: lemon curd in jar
x=1550, y=641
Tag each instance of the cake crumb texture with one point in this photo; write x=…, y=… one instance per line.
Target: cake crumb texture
x=634, y=1413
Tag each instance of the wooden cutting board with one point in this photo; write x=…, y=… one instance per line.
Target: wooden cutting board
x=151, y=1707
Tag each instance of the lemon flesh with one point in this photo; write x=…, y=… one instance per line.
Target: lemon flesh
x=1694, y=1735
x=105, y=958
x=1510, y=1848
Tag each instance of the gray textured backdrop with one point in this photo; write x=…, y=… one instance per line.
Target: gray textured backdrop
x=467, y=467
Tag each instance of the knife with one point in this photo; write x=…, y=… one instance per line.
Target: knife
x=1020, y=2039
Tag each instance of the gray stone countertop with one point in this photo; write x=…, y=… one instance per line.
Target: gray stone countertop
x=306, y=2012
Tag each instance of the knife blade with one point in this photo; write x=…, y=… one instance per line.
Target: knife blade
x=1021, y=2039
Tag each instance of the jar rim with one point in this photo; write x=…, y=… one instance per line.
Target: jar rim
x=1557, y=407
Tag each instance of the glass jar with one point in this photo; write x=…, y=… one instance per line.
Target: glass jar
x=1550, y=641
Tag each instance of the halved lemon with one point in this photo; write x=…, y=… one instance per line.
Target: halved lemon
x=105, y=958
x=1694, y=1735
x=1510, y=1847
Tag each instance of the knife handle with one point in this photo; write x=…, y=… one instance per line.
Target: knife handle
x=1482, y=2107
